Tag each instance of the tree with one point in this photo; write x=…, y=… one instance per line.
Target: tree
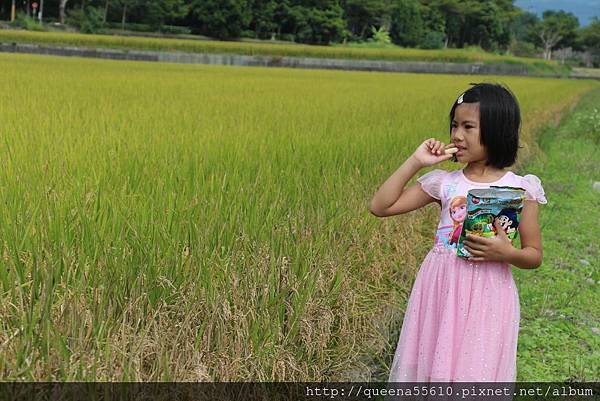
x=222, y=19
x=263, y=22
x=524, y=25
x=126, y=7
x=283, y=17
x=157, y=12
x=480, y=22
x=488, y=25
x=549, y=39
x=105, y=15
x=407, y=26
x=434, y=35
x=62, y=5
x=557, y=29
x=590, y=36
x=87, y=19
x=454, y=13
x=361, y=15
x=320, y=23
x=418, y=24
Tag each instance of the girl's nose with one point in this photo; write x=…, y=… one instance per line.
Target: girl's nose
x=456, y=137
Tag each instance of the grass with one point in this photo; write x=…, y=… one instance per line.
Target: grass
x=587, y=72
x=534, y=66
x=560, y=329
x=192, y=222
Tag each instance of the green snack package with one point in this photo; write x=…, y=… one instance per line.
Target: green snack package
x=484, y=206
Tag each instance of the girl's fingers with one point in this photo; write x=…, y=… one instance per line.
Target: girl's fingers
x=438, y=148
x=441, y=148
x=474, y=252
x=474, y=245
x=450, y=146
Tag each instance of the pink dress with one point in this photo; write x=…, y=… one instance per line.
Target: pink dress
x=462, y=318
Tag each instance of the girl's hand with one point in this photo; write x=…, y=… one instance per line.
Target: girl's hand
x=431, y=152
x=489, y=249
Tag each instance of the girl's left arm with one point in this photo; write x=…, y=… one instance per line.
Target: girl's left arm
x=530, y=255
x=500, y=248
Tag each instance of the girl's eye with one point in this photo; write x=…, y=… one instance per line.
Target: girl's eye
x=468, y=127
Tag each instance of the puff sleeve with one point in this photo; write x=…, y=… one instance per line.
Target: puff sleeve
x=533, y=188
x=432, y=182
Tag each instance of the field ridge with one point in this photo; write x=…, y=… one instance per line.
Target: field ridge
x=532, y=65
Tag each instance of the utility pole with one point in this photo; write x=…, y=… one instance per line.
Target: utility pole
x=12, y=11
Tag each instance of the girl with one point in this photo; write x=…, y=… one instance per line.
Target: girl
x=462, y=318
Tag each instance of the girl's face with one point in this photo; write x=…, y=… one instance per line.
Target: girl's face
x=459, y=212
x=465, y=133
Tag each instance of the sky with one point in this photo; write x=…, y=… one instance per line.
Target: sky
x=583, y=9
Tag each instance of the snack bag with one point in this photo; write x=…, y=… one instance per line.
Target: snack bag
x=485, y=205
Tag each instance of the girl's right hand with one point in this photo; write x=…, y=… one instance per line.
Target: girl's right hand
x=431, y=152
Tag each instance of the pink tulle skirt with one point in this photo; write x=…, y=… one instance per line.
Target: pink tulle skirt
x=461, y=323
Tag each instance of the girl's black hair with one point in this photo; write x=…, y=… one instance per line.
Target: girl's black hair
x=499, y=121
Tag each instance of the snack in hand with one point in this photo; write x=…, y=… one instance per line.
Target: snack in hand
x=486, y=205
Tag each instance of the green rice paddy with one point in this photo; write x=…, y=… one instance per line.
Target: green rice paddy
x=192, y=222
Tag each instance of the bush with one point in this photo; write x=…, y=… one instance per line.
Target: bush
x=522, y=49
x=248, y=34
x=25, y=21
x=130, y=26
x=289, y=37
x=474, y=49
x=175, y=30
x=380, y=36
x=88, y=20
x=432, y=40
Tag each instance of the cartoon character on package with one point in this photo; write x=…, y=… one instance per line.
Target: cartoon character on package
x=486, y=205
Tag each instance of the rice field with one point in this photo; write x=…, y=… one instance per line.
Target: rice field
x=198, y=222
x=534, y=65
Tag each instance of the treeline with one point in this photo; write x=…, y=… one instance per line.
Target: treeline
x=496, y=25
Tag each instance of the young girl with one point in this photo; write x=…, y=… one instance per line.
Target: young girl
x=462, y=318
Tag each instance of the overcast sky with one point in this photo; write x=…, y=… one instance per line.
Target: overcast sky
x=583, y=9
